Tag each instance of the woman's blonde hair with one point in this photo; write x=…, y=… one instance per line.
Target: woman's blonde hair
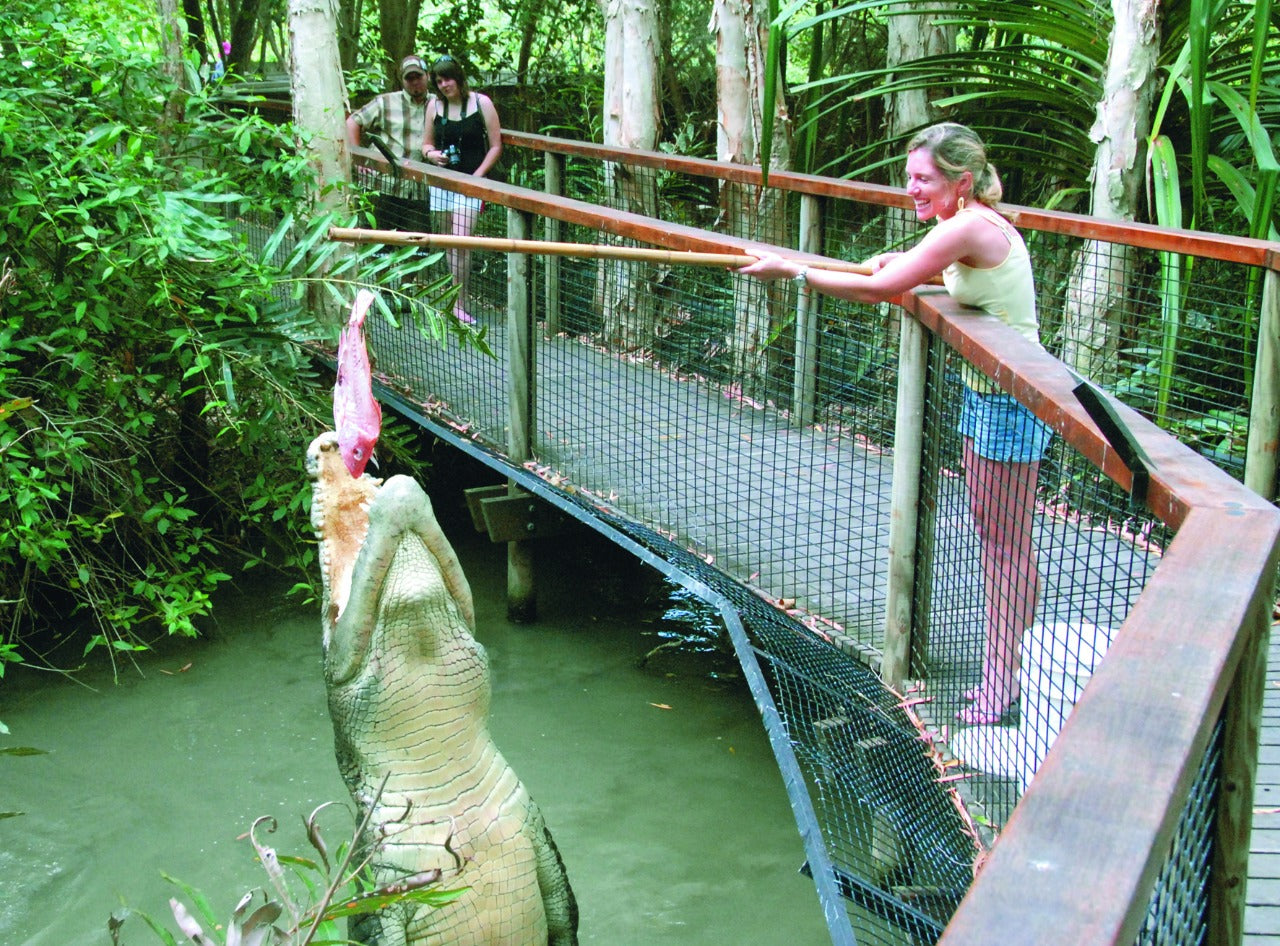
x=956, y=149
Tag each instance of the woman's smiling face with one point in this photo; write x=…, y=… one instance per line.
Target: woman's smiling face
x=447, y=87
x=934, y=194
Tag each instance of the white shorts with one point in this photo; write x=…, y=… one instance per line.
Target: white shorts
x=446, y=201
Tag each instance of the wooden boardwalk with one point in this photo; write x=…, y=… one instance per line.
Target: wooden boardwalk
x=669, y=468
x=1262, y=914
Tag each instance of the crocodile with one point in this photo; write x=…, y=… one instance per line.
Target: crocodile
x=408, y=688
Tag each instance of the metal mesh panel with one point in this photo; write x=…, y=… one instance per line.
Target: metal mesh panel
x=1180, y=901
x=672, y=434
x=1091, y=552
x=902, y=857
x=1179, y=344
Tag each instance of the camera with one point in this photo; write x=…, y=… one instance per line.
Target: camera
x=452, y=157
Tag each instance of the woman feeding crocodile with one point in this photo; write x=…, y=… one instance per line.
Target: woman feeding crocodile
x=983, y=263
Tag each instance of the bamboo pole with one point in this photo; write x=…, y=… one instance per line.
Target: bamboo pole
x=442, y=241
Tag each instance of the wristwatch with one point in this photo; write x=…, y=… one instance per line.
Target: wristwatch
x=801, y=278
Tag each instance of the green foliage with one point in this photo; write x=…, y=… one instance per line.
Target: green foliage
x=458, y=30
x=155, y=402
x=306, y=899
x=1028, y=78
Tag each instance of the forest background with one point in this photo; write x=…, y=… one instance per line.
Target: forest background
x=154, y=400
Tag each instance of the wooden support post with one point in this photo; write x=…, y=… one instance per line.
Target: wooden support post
x=521, y=594
x=1242, y=723
x=507, y=516
x=908, y=441
x=1264, y=404
x=554, y=186
x=927, y=509
x=804, y=383
x=834, y=735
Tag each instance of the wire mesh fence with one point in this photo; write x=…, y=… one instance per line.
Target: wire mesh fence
x=1174, y=336
x=694, y=412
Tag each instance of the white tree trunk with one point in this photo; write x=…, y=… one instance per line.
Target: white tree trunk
x=320, y=109
x=631, y=119
x=913, y=36
x=741, y=29
x=173, y=31
x=1092, y=318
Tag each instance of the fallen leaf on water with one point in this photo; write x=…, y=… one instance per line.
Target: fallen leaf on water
x=660, y=705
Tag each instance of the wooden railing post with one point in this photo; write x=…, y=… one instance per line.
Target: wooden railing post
x=1242, y=724
x=908, y=441
x=1264, y=406
x=521, y=598
x=554, y=186
x=805, y=381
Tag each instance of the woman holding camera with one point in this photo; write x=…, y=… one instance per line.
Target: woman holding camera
x=464, y=135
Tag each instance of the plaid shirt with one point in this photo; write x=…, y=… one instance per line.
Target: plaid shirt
x=394, y=118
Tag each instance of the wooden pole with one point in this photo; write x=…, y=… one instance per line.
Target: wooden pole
x=1264, y=404
x=804, y=379
x=553, y=184
x=908, y=446
x=442, y=241
x=1238, y=781
x=522, y=599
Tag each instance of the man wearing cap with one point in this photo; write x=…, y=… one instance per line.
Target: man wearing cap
x=400, y=120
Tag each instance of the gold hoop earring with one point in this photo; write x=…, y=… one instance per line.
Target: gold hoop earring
x=959, y=204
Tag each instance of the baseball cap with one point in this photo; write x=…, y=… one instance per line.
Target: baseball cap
x=412, y=64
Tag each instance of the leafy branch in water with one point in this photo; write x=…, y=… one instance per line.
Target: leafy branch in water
x=329, y=893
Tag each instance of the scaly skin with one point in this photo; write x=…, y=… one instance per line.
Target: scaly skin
x=409, y=691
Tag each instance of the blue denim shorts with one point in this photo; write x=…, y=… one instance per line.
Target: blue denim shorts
x=1002, y=429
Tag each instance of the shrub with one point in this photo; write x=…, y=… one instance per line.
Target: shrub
x=155, y=402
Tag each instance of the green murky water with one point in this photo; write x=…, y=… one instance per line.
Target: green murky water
x=655, y=777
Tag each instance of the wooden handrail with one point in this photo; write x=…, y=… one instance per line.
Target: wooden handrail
x=1252, y=252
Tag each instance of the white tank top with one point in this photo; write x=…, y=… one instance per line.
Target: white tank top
x=1006, y=291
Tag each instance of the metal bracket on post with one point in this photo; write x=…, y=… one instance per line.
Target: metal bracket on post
x=1118, y=435
x=506, y=518
x=386, y=153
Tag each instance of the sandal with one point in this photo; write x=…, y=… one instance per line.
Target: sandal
x=977, y=716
